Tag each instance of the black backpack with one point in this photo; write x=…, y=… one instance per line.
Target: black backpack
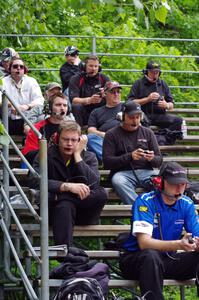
x=80, y=289
x=193, y=192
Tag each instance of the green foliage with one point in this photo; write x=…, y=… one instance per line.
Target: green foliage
x=4, y=140
x=126, y=18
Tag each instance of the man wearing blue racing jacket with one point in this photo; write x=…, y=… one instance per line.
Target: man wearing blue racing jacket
x=158, y=219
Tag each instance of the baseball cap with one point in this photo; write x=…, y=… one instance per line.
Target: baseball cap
x=8, y=53
x=152, y=65
x=69, y=50
x=51, y=85
x=131, y=108
x=111, y=85
x=174, y=173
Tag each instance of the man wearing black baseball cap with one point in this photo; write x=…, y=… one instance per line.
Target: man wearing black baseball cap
x=70, y=67
x=131, y=152
x=155, y=98
x=158, y=221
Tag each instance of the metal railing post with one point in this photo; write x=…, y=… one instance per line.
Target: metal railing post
x=44, y=219
x=94, y=45
x=6, y=251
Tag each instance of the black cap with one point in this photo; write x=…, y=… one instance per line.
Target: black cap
x=131, y=108
x=173, y=173
x=71, y=50
x=7, y=54
x=152, y=65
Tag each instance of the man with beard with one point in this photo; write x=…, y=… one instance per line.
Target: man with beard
x=56, y=112
x=131, y=152
x=86, y=90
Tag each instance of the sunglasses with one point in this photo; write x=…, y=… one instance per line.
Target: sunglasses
x=73, y=53
x=18, y=66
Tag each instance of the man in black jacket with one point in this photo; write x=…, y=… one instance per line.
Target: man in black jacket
x=86, y=89
x=75, y=196
x=70, y=67
x=131, y=152
x=155, y=98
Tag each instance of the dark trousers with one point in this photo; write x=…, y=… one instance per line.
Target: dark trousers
x=150, y=267
x=69, y=210
x=81, y=114
x=16, y=127
x=169, y=121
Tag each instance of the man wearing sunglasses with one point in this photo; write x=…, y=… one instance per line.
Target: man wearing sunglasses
x=70, y=67
x=24, y=91
x=104, y=118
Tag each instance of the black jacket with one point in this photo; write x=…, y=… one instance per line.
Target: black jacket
x=82, y=86
x=66, y=72
x=119, y=144
x=142, y=88
x=85, y=171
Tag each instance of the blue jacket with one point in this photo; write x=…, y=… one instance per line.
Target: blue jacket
x=149, y=213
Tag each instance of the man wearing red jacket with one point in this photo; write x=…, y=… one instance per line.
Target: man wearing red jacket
x=58, y=111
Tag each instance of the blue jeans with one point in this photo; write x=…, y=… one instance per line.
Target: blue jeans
x=125, y=183
x=95, y=145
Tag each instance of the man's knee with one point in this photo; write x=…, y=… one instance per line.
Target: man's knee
x=119, y=178
x=151, y=256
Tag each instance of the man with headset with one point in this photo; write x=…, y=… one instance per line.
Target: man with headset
x=86, y=89
x=158, y=220
x=56, y=110
x=155, y=98
x=131, y=152
x=75, y=195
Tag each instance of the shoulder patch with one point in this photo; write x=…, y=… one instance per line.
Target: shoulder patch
x=143, y=208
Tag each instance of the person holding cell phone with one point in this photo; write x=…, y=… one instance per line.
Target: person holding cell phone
x=163, y=222
x=131, y=152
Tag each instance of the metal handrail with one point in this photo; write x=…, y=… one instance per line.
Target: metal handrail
x=94, y=40
x=8, y=210
x=98, y=37
x=27, y=284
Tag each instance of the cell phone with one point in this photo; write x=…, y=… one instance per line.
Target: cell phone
x=146, y=151
x=97, y=89
x=190, y=240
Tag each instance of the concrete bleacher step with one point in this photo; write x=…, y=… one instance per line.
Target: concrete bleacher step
x=180, y=110
x=80, y=231
x=124, y=283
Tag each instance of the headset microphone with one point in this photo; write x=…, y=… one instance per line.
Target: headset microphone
x=62, y=113
x=176, y=196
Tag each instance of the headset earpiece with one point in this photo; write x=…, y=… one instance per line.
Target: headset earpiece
x=145, y=72
x=157, y=182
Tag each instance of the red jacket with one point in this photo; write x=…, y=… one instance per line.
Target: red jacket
x=32, y=142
